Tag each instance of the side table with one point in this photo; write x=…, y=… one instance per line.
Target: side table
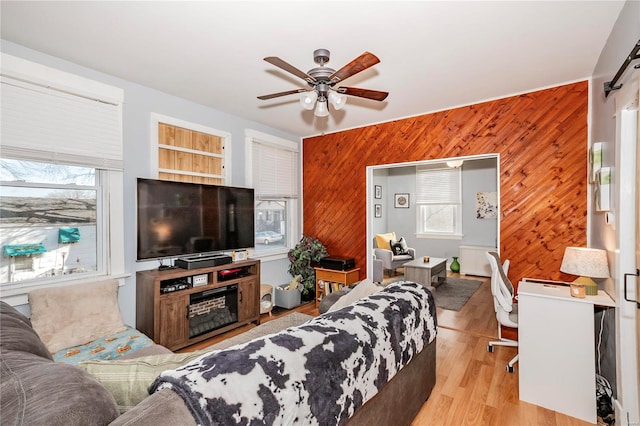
x=330, y=276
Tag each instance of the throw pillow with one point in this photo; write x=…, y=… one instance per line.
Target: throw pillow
x=75, y=314
x=399, y=247
x=364, y=289
x=128, y=380
x=382, y=240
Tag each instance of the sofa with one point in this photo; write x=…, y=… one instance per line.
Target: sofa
x=36, y=390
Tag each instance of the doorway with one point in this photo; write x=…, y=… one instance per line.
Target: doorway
x=480, y=174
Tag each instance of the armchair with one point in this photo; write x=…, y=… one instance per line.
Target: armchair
x=383, y=252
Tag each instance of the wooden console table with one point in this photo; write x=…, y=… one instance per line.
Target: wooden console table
x=343, y=278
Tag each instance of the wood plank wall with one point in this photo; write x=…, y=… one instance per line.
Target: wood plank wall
x=542, y=141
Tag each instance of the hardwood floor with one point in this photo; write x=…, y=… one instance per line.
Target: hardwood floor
x=472, y=386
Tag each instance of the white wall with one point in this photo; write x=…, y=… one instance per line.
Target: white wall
x=139, y=103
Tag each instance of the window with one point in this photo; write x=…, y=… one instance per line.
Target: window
x=438, y=201
x=61, y=179
x=273, y=172
x=40, y=203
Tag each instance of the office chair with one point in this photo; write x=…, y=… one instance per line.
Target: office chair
x=506, y=311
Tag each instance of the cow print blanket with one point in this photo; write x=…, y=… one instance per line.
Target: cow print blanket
x=317, y=373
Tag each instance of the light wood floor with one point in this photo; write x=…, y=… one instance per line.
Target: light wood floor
x=472, y=384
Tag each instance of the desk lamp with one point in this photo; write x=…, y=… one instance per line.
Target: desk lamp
x=588, y=263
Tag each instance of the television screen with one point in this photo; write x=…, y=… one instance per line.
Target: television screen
x=178, y=219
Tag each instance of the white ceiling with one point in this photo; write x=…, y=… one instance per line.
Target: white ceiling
x=434, y=55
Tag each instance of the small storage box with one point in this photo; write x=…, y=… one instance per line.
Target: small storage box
x=286, y=298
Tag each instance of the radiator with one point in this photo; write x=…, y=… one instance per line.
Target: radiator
x=473, y=260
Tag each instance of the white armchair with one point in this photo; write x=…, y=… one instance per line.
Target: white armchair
x=383, y=252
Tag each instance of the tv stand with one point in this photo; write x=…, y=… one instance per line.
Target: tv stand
x=164, y=315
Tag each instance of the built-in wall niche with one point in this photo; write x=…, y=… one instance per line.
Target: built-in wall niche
x=479, y=182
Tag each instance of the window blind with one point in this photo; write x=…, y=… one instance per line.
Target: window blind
x=46, y=124
x=274, y=171
x=437, y=185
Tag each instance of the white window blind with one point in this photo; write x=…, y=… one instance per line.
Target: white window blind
x=437, y=185
x=45, y=124
x=274, y=171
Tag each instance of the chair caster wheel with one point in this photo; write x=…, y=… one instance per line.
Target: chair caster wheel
x=490, y=348
x=510, y=368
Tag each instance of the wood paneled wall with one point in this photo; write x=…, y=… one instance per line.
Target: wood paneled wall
x=542, y=141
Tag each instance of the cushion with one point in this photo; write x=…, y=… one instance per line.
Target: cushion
x=383, y=240
x=331, y=298
x=76, y=314
x=128, y=380
x=16, y=333
x=399, y=247
x=364, y=289
x=37, y=391
x=109, y=347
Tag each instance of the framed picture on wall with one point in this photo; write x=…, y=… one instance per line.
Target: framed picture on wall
x=401, y=201
x=378, y=210
x=377, y=192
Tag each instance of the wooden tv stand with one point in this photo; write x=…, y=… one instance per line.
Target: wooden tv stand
x=164, y=316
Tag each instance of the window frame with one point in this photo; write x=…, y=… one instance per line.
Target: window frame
x=293, y=203
x=457, y=232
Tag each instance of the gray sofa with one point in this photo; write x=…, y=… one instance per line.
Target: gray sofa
x=36, y=390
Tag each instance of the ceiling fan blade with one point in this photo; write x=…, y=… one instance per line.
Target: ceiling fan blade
x=274, y=60
x=277, y=95
x=361, y=63
x=363, y=93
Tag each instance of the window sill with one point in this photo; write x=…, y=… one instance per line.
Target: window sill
x=18, y=293
x=440, y=236
x=269, y=255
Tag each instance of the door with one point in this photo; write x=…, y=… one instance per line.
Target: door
x=626, y=260
x=248, y=300
x=174, y=311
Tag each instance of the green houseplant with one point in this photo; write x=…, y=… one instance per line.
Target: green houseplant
x=303, y=257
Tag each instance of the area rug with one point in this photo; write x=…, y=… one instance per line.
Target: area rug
x=452, y=294
x=455, y=292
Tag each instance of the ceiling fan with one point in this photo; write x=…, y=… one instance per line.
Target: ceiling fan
x=322, y=80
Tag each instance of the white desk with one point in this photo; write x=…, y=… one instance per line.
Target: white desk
x=557, y=348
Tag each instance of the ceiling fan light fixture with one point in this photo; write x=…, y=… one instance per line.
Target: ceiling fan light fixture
x=454, y=164
x=322, y=110
x=338, y=101
x=308, y=99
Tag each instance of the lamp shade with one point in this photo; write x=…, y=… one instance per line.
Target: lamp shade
x=308, y=99
x=586, y=262
x=337, y=100
x=321, y=108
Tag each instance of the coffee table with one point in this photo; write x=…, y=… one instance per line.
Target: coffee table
x=424, y=272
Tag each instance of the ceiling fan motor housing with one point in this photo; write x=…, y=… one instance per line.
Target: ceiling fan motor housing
x=321, y=56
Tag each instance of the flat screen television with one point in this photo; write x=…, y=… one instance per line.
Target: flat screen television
x=178, y=219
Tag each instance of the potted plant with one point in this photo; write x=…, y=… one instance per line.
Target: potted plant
x=303, y=257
